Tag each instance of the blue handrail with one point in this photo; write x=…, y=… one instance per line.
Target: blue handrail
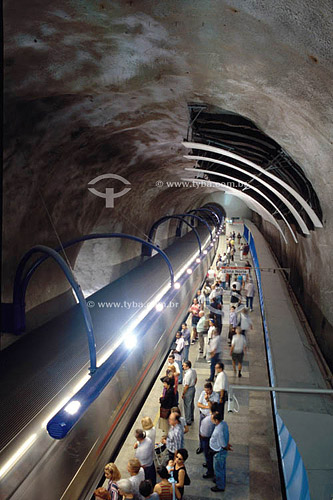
x=20, y=285
x=200, y=219
x=76, y=287
x=210, y=214
x=163, y=219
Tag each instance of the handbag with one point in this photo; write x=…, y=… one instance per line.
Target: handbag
x=165, y=412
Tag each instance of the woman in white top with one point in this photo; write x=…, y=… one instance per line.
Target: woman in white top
x=148, y=427
x=245, y=320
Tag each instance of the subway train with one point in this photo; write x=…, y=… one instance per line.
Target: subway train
x=44, y=369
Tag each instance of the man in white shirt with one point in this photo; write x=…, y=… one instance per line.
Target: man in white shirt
x=207, y=395
x=249, y=287
x=222, y=276
x=172, y=362
x=238, y=285
x=201, y=330
x=232, y=323
x=144, y=451
x=215, y=352
x=237, y=351
x=221, y=386
x=190, y=379
x=212, y=294
x=178, y=353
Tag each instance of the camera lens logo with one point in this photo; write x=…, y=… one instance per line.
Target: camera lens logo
x=109, y=194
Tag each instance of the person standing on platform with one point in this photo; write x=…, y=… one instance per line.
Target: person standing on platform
x=194, y=309
x=136, y=476
x=146, y=490
x=201, y=330
x=102, y=494
x=164, y=488
x=249, y=287
x=187, y=340
x=239, y=236
x=148, y=427
x=175, y=437
x=207, y=397
x=144, y=451
x=235, y=296
x=178, y=353
x=222, y=276
x=246, y=249
x=219, y=444
x=241, y=252
x=167, y=401
x=179, y=469
x=112, y=475
x=201, y=299
x=232, y=324
x=237, y=351
x=215, y=353
x=190, y=379
x=208, y=338
x=221, y=386
x=172, y=362
x=126, y=490
x=245, y=320
x=211, y=275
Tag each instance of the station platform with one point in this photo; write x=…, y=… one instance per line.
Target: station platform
x=252, y=466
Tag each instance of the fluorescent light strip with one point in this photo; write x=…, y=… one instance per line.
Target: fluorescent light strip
x=250, y=202
x=311, y=213
x=275, y=191
x=254, y=189
x=28, y=443
x=17, y=455
x=139, y=317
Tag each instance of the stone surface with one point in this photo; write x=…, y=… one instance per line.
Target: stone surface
x=99, y=87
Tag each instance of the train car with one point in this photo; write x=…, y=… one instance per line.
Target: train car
x=42, y=371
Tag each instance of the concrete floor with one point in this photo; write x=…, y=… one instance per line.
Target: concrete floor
x=252, y=467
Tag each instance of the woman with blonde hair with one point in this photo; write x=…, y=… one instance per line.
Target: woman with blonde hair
x=148, y=427
x=112, y=475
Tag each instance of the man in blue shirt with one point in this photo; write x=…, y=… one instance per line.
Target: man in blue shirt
x=219, y=444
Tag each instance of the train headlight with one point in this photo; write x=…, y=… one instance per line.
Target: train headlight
x=130, y=341
x=72, y=407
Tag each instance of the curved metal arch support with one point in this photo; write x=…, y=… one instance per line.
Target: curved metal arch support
x=21, y=284
x=261, y=181
x=251, y=203
x=220, y=214
x=309, y=210
x=200, y=219
x=210, y=215
x=254, y=189
x=147, y=252
x=78, y=292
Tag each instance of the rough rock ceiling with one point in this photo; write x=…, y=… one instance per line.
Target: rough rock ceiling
x=99, y=86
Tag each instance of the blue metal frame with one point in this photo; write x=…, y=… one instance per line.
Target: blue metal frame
x=62, y=422
x=215, y=209
x=76, y=287
x=147, y=251
x=200, y=219
x=20, y=285
x=210, y=215
x=295, y=477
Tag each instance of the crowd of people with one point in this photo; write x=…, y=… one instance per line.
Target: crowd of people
x=179, y=384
